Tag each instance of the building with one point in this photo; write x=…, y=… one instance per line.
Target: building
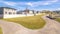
x=6, y=12
x=26, y=11
x=31, y=11
x=19, y=12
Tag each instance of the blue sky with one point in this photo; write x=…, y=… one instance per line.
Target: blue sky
x=31, y=4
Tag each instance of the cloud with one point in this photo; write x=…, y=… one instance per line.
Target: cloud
x=42, y=3
x=32, y=4
x=38, y=3
x=9, y=3
x=58, y=9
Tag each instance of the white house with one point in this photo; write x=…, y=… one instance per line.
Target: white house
x=6, y=12
x=31, y=11
x=26, y=11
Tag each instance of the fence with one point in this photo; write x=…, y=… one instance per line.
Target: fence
x=17, y=15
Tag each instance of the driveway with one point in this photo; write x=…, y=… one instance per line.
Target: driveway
x=51, y=27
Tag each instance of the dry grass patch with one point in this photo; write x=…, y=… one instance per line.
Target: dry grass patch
x=32, y=22
x=57, y=19
x=0, y=31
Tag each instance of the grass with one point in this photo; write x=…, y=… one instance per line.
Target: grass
x=0, y=31
x=32, y=22
x=57, y=19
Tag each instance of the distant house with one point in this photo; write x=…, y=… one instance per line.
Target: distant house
x=19, y=12
x=31, y=11
x=37, y=12
x=7, y=11
x=26, y=11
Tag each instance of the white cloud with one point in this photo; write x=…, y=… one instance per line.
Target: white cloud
x=10, y=3
x=42, y=3
x=38, y=3
x=32, y=4
x=58, y=9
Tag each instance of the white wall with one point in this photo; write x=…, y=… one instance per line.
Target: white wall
x=31, y=12
x=17, y=15
x=12, y=16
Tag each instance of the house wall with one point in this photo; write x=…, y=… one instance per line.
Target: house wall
x=1, y=12
x=31, y=12
x=9, y=13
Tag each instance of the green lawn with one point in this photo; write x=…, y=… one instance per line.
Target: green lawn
x=32, y=22
x=57, y=19
x=0, y=31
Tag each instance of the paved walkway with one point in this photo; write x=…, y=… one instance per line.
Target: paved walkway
x=51, y=27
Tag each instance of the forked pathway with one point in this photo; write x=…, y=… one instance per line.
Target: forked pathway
x=51, y=27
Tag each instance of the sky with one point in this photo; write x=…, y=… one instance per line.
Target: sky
x=31, y=4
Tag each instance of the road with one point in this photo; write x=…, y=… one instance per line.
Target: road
x=51, y=27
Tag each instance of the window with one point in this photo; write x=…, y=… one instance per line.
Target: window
x=10, y=13
x=5, y=12
x=13, y=12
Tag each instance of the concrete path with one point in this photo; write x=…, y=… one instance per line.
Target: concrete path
x=51, y=27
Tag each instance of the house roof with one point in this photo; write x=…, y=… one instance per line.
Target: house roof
x=8, y=8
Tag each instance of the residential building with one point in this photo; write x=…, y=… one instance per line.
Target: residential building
x=7, y=11
x=26, y=11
